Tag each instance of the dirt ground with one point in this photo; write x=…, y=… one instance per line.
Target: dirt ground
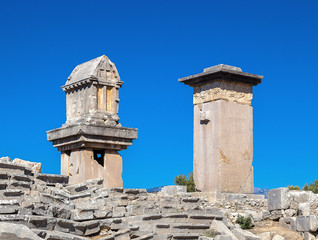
x=275, y=228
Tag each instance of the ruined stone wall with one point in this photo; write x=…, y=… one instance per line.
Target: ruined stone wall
x=298, y=210
x=52, y=209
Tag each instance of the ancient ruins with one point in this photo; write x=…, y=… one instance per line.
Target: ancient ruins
x=90, y=139
x=87, y=202
x=223, y=129
x=35, y=206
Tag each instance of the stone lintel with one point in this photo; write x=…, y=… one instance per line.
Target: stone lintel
x=221, y=72
x=86, y=136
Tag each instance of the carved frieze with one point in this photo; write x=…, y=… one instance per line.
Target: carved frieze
x=228, y=91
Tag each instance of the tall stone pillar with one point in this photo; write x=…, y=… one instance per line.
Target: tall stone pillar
x=223, y=129
x=90, y=139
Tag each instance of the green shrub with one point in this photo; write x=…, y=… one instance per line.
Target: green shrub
x=313, y=186
x=190, y=183
x=180, y=180
x=291, y=187
x=245, y=223
x=185, y=181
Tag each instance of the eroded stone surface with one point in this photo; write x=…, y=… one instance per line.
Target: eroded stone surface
x=10, y=231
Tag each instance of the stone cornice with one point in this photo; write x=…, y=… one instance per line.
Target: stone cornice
x=216, y=74
x=88, y=81
x=93, y=136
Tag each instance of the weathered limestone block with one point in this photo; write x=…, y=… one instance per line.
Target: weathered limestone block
x=223, y=129
x=103, y=212
x=42, y=222
x=36, y=167
x=183, y=236
x=9, y=206
x=223, y=237
x=276, y=214
x=306, y=223
x=12, y=169
x=290, y=212
x=244, y=235
x=309, y=236
x=278, y=199
x=5, y=160
x=265, y=236
x=292, y=222
x=52, y=179
x=68, y=226
x=221, y=228
x=173, y=189
x=10, y=231
x=298, y=197
x=278, y=237
x=205, y=238
x=82, y=215
x=122, y=234
x=304, y=209
x=57, y=235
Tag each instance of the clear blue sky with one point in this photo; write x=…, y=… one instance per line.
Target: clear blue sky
x=153, y=43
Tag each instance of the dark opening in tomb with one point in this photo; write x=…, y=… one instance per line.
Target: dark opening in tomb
x=99, y=157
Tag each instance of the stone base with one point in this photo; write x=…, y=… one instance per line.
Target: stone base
x=83, y=164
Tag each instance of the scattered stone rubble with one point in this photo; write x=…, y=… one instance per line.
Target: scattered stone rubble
x=298, y=210
x=46, y=205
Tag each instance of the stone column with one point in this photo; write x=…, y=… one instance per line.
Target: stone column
x=223, y=129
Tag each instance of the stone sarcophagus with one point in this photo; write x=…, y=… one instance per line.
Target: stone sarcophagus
x=223, y=129
x=90, y=139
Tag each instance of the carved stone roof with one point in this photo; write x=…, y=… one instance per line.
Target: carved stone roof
x=100, y=69
x=221, y=72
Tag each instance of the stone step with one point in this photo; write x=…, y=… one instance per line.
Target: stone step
x=133, y=191
x=80, y=196
x=3, y=185
x=175, y=217
x=182, y=236
x=58, y=192
x=190, y=200
x=145, y=237
x=9, y=206
x=162, y=228
x=122, y=234
x=24, y=186
x=21, y=177
x=15, y=168
x=162, y=237
x=13, y=193
x=203, y=218
x=152, y=217
x=53, y=235
x=52, y=179
x=137, y=234
x=4, y=175
x=54, y=224
x=63, y=225
x=189, y=228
